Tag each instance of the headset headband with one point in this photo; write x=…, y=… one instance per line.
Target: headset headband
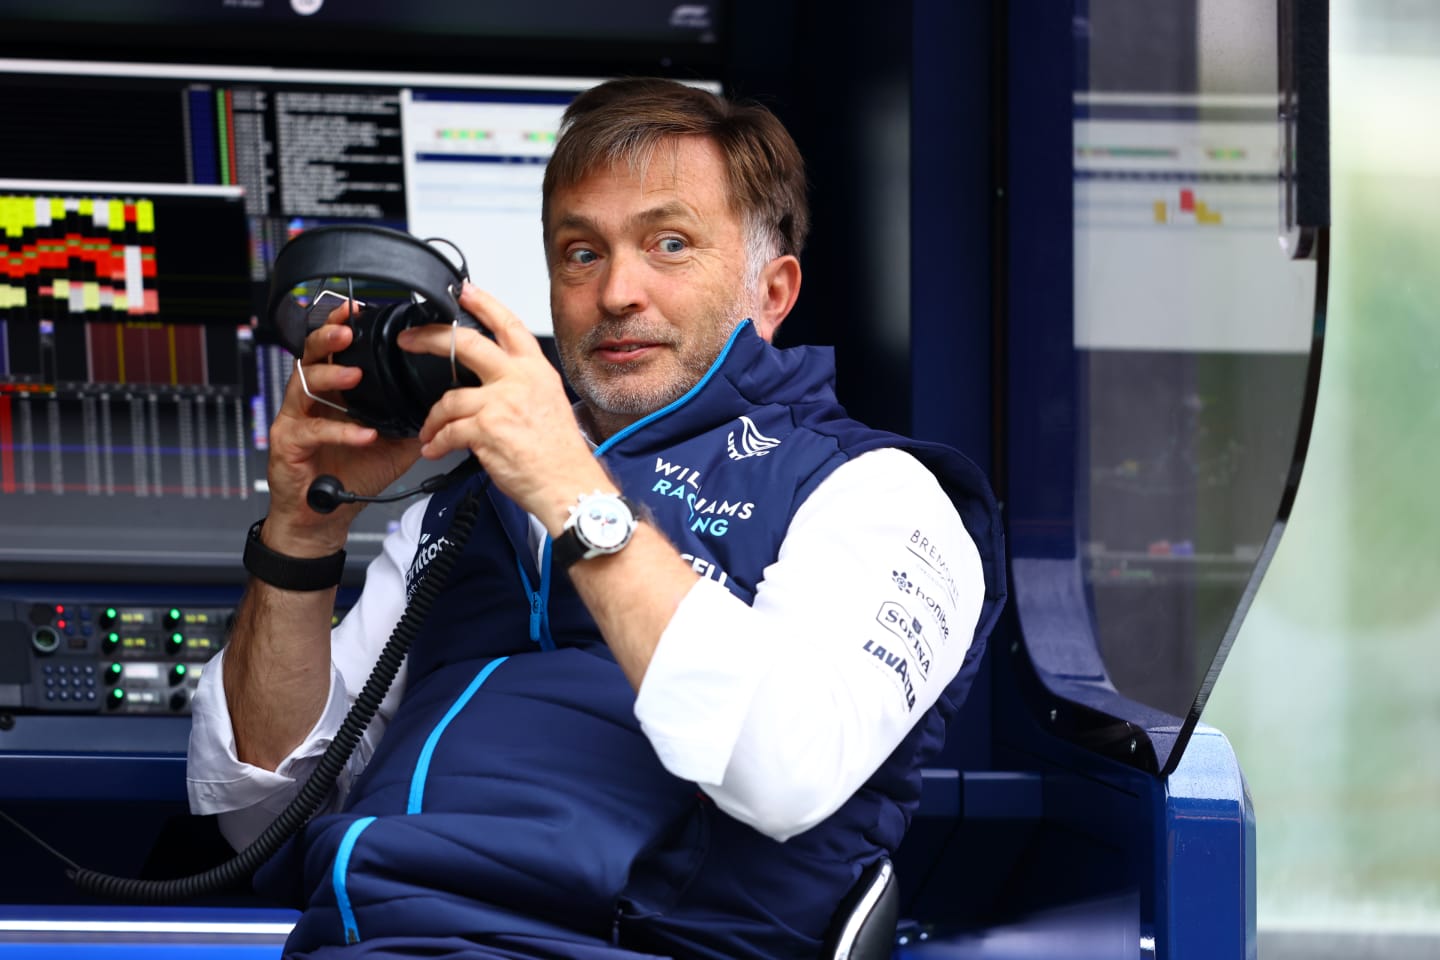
x=362, y=252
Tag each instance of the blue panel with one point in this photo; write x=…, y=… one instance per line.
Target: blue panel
x=141, y=951
x=980, y=794
x=952, y=193
x=104, y=913
x=1003, y=795
x=1041, y=394
x=1099, y=928
x=204, y=158
x=23, y=939
x=952, y=197
x=92, y=777
x=1207, y=867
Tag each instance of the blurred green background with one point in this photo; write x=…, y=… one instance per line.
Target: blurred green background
x=1331, y=696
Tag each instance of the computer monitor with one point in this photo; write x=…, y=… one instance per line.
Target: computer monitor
x=140, y=207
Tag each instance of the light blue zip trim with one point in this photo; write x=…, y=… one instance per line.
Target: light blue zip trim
x=539, y=600
x=337, y=878
x=547, y=642
x=676, y=404
x=540, y=617
x=422, y=766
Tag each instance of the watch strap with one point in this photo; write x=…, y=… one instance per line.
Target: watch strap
x=566, y=550
x=291, y=573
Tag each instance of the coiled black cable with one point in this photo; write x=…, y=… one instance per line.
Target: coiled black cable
x=320, y=782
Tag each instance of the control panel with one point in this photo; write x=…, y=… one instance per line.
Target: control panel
x=99, y=658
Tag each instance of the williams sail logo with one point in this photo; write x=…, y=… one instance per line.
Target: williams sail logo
x=752, y=443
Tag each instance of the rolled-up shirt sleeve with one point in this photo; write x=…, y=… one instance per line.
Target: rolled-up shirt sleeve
x=782, y=709
x=247, y=798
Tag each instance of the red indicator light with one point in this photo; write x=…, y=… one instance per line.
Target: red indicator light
x=59, y=610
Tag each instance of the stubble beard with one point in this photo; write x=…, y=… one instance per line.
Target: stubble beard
x=614, y=390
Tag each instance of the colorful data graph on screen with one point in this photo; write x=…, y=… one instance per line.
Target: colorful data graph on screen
x=1186, y=208
x=89, y=253
x=79, y=297
x=122, y=369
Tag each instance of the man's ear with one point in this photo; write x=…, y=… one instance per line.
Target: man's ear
x=779, y=287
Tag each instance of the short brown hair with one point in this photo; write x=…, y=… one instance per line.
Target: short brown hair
x=623, y=121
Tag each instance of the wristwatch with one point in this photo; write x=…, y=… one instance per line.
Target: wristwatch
x=599, y=524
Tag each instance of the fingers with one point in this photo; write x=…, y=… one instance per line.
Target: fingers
x=510, y=333
x=325, y=377
x=482, y=357
x=453, y=407
x=316, y=390
x=343, y=312
x=321, y=377
x=447, y=436
x=304, y=435
x=329, y=338
x=488, y=360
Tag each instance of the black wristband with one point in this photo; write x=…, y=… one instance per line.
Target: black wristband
x=291, y=573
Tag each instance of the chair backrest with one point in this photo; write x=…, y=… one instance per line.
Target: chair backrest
x=864, y=925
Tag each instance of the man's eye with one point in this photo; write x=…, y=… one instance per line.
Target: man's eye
x=672, y=245
x=581, y=256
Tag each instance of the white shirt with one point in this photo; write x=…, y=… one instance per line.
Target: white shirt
x=779, y=710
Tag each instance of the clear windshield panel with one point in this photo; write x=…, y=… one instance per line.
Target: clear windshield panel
x=1192, y=330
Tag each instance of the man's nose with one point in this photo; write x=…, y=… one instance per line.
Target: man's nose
x=622, y=290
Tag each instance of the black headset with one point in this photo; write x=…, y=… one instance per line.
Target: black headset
x=419, y=285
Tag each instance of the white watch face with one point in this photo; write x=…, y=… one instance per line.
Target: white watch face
x=603, y=523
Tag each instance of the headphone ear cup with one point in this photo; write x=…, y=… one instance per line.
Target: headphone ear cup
x=397, y=388
x=424, y=377
x=382, y=399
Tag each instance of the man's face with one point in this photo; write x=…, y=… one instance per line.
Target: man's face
x=647, y=278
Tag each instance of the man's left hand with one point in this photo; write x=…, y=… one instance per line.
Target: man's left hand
x=518, y=422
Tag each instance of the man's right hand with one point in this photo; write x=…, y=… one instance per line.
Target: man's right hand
x=309, y=439
x=276, y=671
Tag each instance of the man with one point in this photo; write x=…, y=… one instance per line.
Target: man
x=692, y=741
